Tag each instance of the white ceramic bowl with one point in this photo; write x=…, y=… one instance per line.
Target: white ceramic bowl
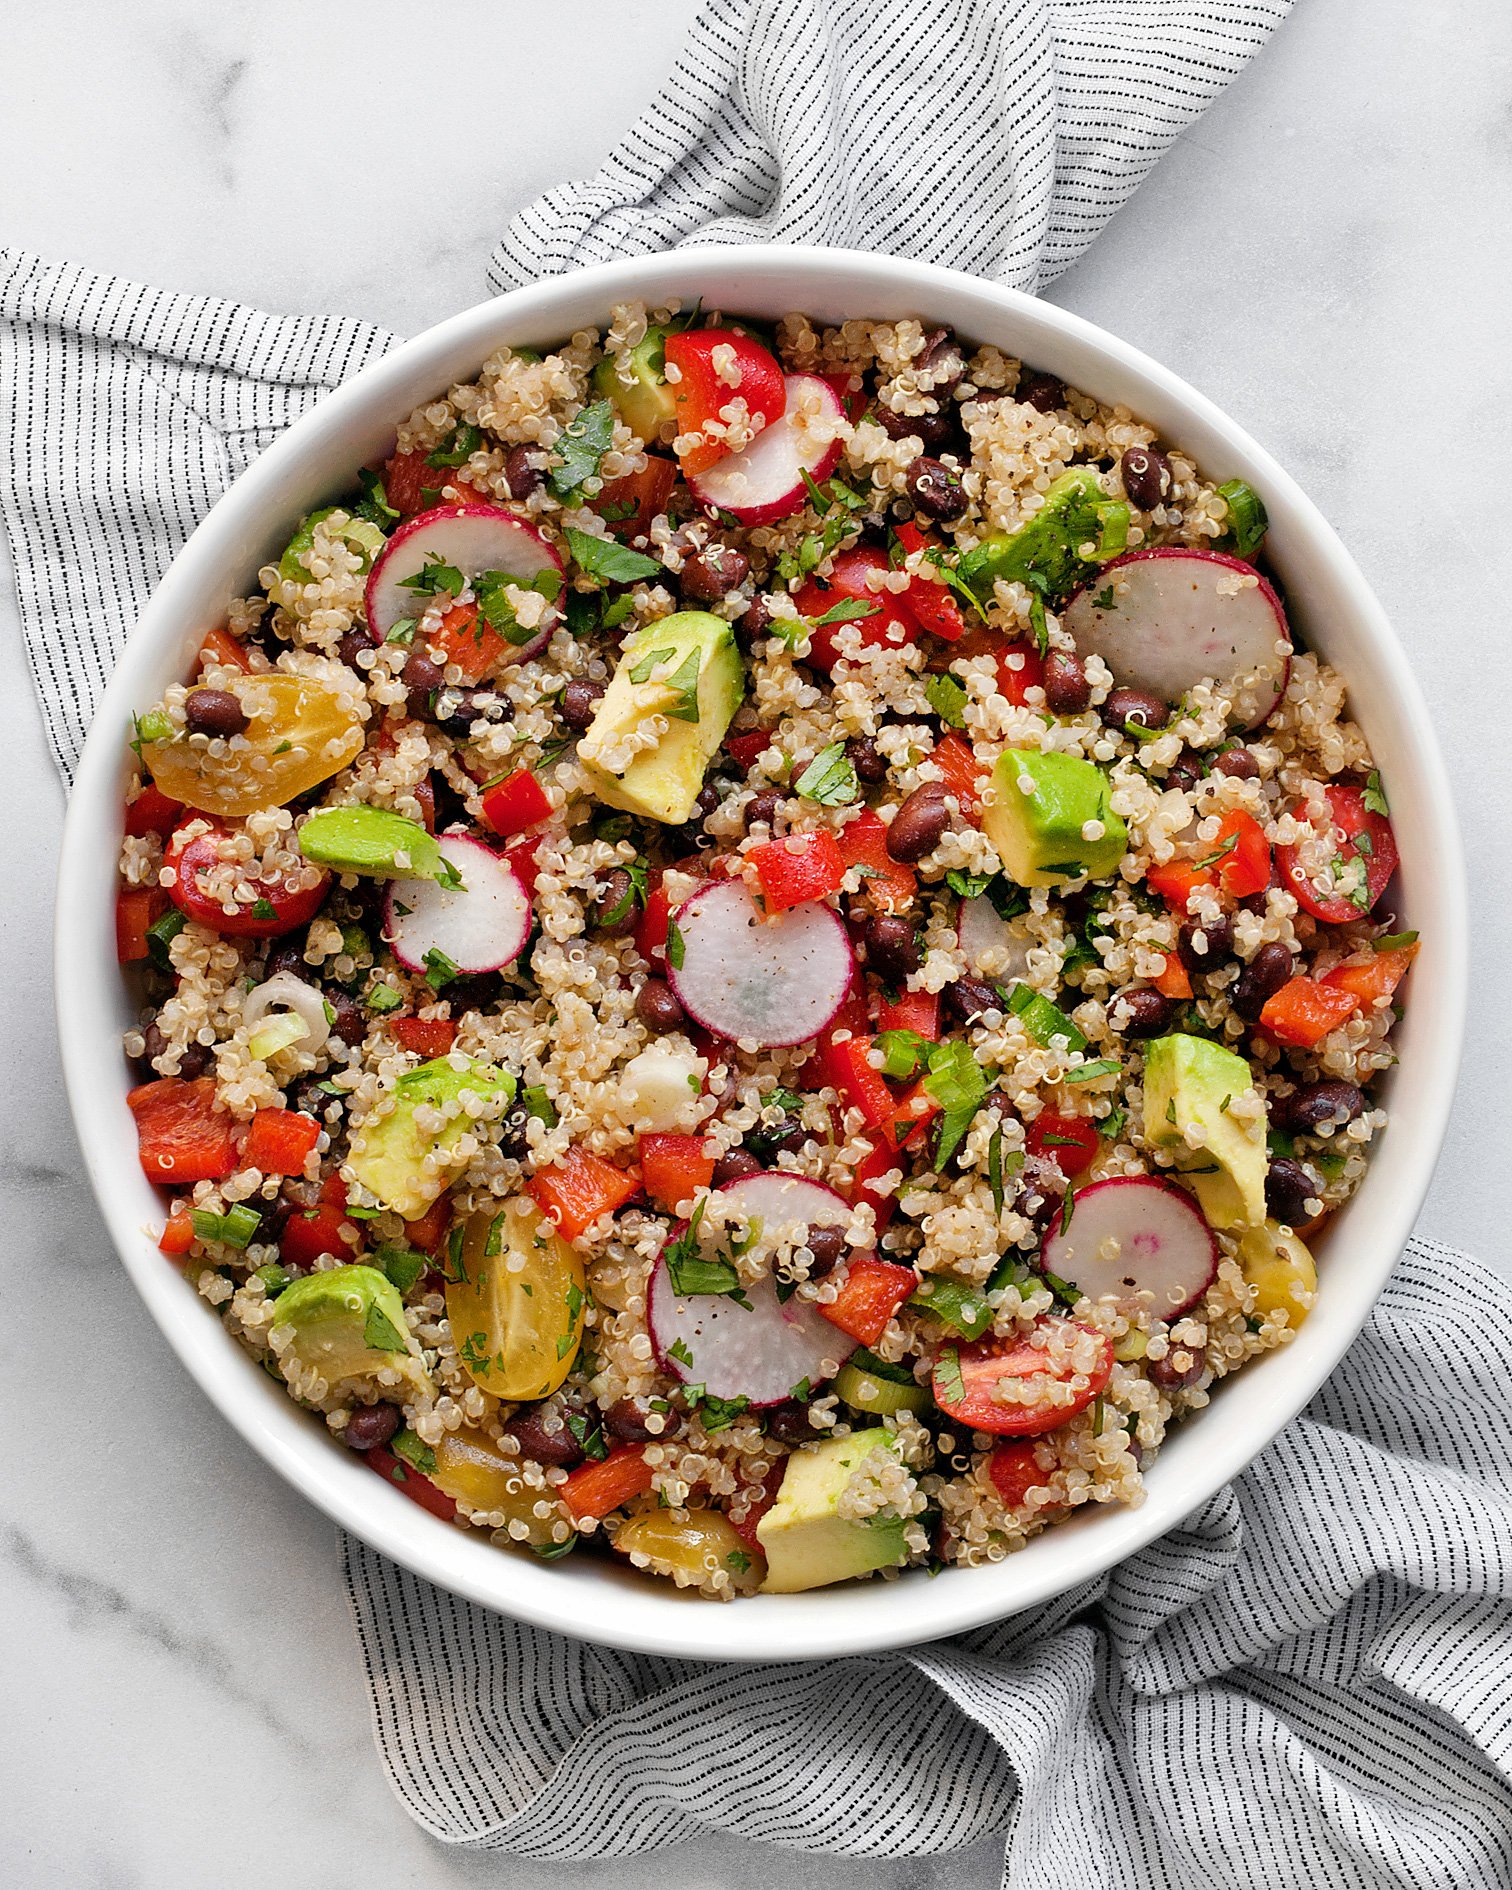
x=585, y=1596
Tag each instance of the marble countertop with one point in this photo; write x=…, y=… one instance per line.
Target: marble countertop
x=1317, y=255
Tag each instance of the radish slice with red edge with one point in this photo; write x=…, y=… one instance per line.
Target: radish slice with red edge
x=981, y=929
x=768, y=981
x=1167, y=619
x=763, y=1352
x=471, y=539
x=764, y=481
x=1163, y=1245
x=1017, y=1388
x=480, y=925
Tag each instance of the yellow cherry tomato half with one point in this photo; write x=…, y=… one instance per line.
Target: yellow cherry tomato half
x=299, y=733
x=515, y=1295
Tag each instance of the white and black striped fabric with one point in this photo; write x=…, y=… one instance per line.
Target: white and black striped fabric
x=1305, y=1685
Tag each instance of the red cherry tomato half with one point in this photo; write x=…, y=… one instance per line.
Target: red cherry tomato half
x=1359, y=834
x=1068, y=1141
x=702, y=392
x=275, y=908
x=887, y=620
x=1015, y=1472
x=1021, y=1388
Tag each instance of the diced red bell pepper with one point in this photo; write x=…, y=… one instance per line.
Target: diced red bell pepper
x=881, y=1161
x=888, y=620
x=701, y=392
x=219, y=646
x=515, y=803
x=594, y=1489
x=181, y=1135
x=178, y=1231
x=1358, y=834
x=912, y=1010
x=912, y=1114
x=1015, y=1472
x=1020, y=668
x=888, y=882
x=323, y=1229
x=771, y=1484
x=136, y=908
x=1068, y=1141
x=746, y=750
x=427, y=1231
x=963, y=774
x=870, y=1294
x=575, y=1191
x=1303, y=1011
x=966, y=1377
x=425, y=1036
x=850, y=392
x=1237, y=862
x=651, y=926
x=276, y=909
x=674, y=1168
x=522, y=857
x=279, y=1140
x=1174, y=980
x=628, y=504
x=844, y=1066
x=929, y=598
x=802, y=867
x=405, y=1477
x=1375, y=978
x=412, y=485
x=152, y=812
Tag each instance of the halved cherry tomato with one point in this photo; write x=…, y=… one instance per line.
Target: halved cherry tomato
x=323, y=1229
x=674, y=1168
x=1174, y=980
x=405, y=1477
x=594, y=1489
x=136, y=909
x=1069, y=1141
x=279, y=1140
x=1015, y=1472
x=628, y=504
x=425, y=1036
x=221, y=647
x=1238, y=862
x=1046, y=1394
x=1375, y=978
x=929, y=599
x=870, y=1294
x=888, y=620
x=515, y=803
x=912, y=1010
x=889, y=884
x=702, y=393
x=277, y=908
x=1358, y=834
x=963, y=773
x=181, y=1134
x=796, y=870
x=575, y=1191
x=1303, y=1012
x=152, y=812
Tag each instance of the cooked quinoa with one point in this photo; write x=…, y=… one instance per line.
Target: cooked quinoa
x=541, y=1239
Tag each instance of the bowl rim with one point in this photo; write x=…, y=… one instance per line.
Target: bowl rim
x=623, y=1610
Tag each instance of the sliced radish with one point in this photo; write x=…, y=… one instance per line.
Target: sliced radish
x=763, y=1352
x=470, y=538
x=1164, y=620
x=770, y=981
x=1135, y=1234
x=980, y=929
x=481, y=925
x=764, y=481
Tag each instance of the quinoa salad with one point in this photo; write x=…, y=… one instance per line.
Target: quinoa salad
x=761, y=954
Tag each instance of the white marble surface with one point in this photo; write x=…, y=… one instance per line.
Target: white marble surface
x=1326, y=255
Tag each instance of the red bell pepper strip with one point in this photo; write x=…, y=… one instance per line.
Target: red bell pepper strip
x=1015, y=1472
x=276, y=909
x=181, y=1135
x=594, y=1489
x=425, y=1036
x=1174, y=980
x=515, y=803
x=136, y=909
x=963, y=774
x=469, y=641
x=651, y=927
x=628, y=504
x=929, y=598
x=1358, y=834
x=1373, y=979
x=574, y=1192
x=870, y=1294
x=845, y=1068
x=219, y=646
x=912, y=1010
x=178, y=1231
x=152, y=812
x=887, y=621
x=702, y=392
x=803, y=867
x=522, y=857
x=322, y=1229
x=674, y=1168
x=1237, y=862
x=404, y=1476
x=912, y=1114
x=865, y=1174
x=279, y=1140
x=1020, y=668
x=1303, y=1012
x=887, y=881
x=1068, y=1141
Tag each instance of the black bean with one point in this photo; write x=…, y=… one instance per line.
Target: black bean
x=1146, y=476
x=1185, y=771
x=968, y=999
x=1143, y=1012
x=761, y=809
x=1135, y=705
x=657, y=1007
x=734, y=1165
x=1237, y=763
x=544, y=1438
x=1288, y=1189
x=943, y=360
x=613, y=910
x=420, y=676
x=513, y=1132
x=929, y=429
x=194, y=1061
x=580, y=700
x=863, y=754
x=287, y=955
x=370, y=1425
x=454, y=711
x=1261, y=979
x=154, y=1043
x=1043, y=392
x=626, y=1419
x=790, y=1423
x=1180, y=1369
x=351, y=647
x=1067, y=691
x=827, y=1245
x=892, y=947
x=214, y=712
x=1318, y=1103
x=523, y=471
x=713, y=573
x=757, y=621
x=350, y=1022
x=918, y=824
x=1205, y=947
x=935, y=488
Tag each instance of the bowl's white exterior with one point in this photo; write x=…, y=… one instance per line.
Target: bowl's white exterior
x=1329, y=600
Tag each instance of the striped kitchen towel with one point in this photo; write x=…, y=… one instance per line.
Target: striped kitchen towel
x=1302, y=1686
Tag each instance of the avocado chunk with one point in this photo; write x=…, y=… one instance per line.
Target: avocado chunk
x=687, y=670
x=1191, y=1080
x=348, y=1325
x=1039, y=831
x=389, y=1153
x=645, y=401
x=806, y=1541
x=1077, y=527
x=371, y=840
